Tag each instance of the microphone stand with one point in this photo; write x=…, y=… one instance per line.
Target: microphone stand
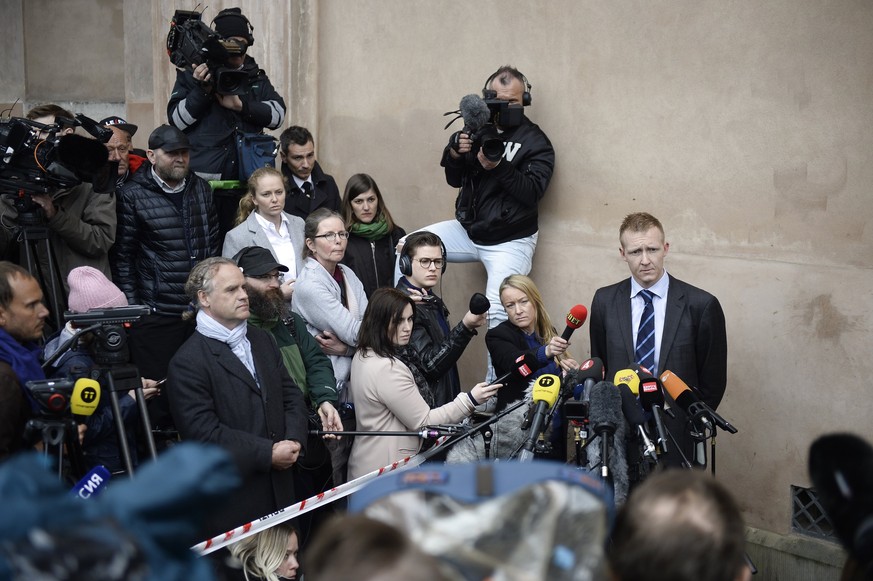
x=424, y=434
x=469, y=432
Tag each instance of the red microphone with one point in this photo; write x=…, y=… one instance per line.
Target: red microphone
x=575, y=318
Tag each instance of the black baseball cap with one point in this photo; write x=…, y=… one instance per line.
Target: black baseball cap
x=168, y=138
x=115, y=121
x=256, y=261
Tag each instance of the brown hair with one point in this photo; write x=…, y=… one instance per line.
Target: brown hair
x=384, y=311
x=358, y=184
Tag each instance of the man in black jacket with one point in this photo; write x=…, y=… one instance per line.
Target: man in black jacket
x=309, y=188
x=437, y=345
x=231, y=389
x=496, y=218
x=166, y=225
x=212, y=120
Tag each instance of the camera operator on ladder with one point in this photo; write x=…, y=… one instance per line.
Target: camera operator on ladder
x=211, y=119
x=496, y=218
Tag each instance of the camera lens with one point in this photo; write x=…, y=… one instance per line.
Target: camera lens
x=493, y=149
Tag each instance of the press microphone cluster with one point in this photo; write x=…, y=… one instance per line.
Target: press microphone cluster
x=686, y=399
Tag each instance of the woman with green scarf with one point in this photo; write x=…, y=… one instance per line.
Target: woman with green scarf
x=373, y=234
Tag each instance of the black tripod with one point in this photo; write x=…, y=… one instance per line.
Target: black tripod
x=34, y=234
x=57, y=435
x=109, y=350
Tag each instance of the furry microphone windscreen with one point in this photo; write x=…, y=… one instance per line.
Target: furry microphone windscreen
x=606, y=407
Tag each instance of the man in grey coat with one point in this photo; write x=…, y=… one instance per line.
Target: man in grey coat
x=231, y=388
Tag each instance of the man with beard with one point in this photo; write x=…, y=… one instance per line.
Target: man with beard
x=306, y=363
x=166, y=225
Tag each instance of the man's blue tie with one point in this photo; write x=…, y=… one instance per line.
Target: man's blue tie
x=645, y=351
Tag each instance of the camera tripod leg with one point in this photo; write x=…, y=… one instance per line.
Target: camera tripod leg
x=124, y=379
x=50, y=282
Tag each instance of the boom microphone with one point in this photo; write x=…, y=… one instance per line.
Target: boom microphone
x=92, y=483
x=475, y=113
x=575, y=318
x=604, y=416
x=86, y=396
x=545, y=394
x=479, y=304
x=693, y=405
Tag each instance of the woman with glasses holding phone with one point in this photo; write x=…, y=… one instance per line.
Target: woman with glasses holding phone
x=373, y=233
x=331, y=299
x=261, y=221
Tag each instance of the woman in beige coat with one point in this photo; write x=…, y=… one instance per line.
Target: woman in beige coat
x=386, y=395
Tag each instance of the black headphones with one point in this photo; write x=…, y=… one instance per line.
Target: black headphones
x=236, y=12
x=525, y=97
x=405, y=262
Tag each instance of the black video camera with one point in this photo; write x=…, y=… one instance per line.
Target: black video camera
x=36, y=159
x=191, y=42
x=52, y=396
x=108, y=327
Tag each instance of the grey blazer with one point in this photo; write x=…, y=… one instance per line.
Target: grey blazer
x=250, y=233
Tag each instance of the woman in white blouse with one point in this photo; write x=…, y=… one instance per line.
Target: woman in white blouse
x=262, y=222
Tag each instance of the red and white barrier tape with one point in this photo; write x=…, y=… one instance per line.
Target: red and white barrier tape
x=304, y=506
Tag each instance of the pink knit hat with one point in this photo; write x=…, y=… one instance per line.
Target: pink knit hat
x=90, y=289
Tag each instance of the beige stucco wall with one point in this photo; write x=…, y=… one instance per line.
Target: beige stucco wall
x=747, y=127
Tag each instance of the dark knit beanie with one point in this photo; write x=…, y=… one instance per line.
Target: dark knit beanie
x=230, y=22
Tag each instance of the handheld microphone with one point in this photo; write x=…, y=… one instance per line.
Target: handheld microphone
x=693, y=405
x=652, y=400
x=575, y=318
x=479, y=304
x=545, y=394
x=629, y=378
x=92, y=483
x=525, y=364
x=86, y=396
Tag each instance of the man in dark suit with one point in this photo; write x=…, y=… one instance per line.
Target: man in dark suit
x=309, y=188
x=231, y=388
x=689, y=327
